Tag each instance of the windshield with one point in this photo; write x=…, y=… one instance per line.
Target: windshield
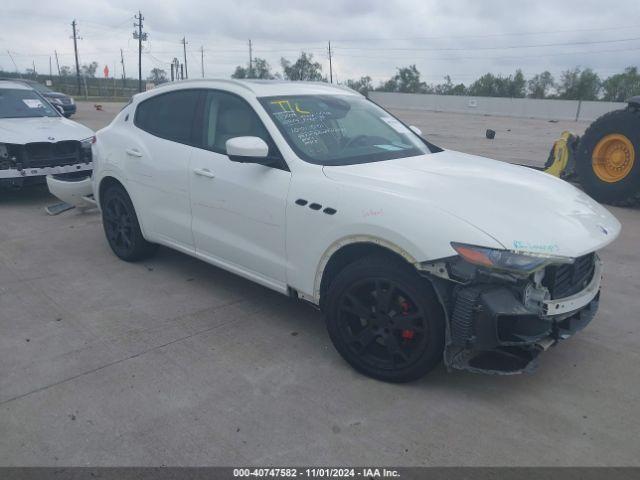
x=341, y=129
x=18, y=103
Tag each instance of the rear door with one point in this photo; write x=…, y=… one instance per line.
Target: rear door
x=157, y=157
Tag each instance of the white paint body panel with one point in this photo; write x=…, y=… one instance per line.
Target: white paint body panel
x=38, y=129
x=243, y=217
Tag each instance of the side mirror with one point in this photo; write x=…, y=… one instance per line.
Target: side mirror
x=248, y=150
x=415, y=130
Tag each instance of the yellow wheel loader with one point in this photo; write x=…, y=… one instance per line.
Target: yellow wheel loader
x=606, y=159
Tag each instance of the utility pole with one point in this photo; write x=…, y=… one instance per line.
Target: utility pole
x=202, y=59
x=175, y=68
x=124, y=75
x=14, y=63
x=50, y=69
x=75, y=49
x=250, y=59
x=35, y=74
x=330, y=64
x=184, y=50
x=57, y=61
x=140, y=36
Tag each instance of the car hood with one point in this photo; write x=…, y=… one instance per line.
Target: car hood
x=521, y=208
x=41, y=129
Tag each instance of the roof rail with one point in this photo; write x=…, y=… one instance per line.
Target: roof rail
x=201, y=80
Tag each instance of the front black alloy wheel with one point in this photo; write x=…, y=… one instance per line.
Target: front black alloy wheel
x=121, y=226
x=385, y=320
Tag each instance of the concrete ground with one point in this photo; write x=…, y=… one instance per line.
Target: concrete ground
x=175, y=362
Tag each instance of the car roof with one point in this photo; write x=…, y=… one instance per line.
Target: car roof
x=18, y=85
x=259, y=88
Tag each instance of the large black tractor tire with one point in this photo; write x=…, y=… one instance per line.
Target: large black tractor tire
x=122, y=228
x=385, y=320
x=608, y=158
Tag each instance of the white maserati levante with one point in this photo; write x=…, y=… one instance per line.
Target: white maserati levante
x=36, y=140
x=415, y=254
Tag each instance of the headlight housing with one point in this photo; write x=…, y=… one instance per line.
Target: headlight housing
x=85, y=149
x=56, y=101
x=506, y=260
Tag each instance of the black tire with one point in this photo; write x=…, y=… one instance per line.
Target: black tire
x=121, y=226
x=399, y=343
x=626, y=191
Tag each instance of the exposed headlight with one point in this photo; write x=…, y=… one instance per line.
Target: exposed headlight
x=56, y=101
x=72, y=101
x=85, y=146
x=506, y=260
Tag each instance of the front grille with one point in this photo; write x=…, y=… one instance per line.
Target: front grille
x=565, y=280
x=44, y=154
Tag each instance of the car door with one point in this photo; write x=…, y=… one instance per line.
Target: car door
x=238, y=209
x=157, y=156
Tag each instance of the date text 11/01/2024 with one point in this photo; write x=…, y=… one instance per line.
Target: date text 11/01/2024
x=326, y=472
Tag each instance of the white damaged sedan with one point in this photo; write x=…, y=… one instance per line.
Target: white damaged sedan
x=415, y=254
x=36, y=140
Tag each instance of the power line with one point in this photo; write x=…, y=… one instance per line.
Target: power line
x=486, y=35
x=485, y=58
x=14, y=63
x=508, y=47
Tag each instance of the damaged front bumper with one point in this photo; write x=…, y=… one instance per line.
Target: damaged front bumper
x=501, y=327
x=18, y=177
x=76, y=190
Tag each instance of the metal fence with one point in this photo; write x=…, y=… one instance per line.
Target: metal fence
x=95, y=87
x=90, y=87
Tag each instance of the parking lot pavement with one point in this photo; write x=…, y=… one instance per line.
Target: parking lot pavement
x=175, y=362
x=526, y=141
x=89, y=115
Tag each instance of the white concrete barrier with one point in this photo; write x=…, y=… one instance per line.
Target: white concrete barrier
x=509, y=107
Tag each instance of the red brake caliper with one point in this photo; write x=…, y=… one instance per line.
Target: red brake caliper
x=406, y=333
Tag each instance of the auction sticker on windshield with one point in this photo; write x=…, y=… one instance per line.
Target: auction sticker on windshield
x=32, y=103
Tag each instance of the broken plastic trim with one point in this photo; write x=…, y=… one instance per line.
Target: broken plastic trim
x=490, y=326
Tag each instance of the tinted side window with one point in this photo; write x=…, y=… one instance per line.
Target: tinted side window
x=169, y=115
x=227, y=116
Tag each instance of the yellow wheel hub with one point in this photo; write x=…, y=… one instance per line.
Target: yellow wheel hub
x=613, y=158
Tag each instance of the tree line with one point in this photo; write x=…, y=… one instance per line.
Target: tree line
x=573, y=84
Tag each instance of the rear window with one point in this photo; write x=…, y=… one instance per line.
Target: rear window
x=169, y=115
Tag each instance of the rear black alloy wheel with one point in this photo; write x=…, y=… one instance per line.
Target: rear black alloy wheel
x=121, y=226
x=385, y=320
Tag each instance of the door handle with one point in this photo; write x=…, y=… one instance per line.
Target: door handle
x=132, y=152
x=204, y=172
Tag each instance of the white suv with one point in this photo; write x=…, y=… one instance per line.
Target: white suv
x=413, y=253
